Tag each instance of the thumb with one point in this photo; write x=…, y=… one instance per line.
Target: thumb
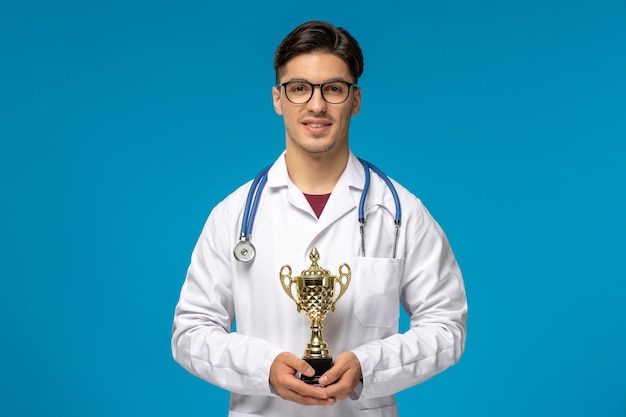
x=297, y=364
x=306, y=369
x=329, y=377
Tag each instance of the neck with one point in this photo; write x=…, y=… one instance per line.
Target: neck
x=316, y=173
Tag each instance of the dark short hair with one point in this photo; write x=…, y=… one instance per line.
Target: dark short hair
x=319, y=36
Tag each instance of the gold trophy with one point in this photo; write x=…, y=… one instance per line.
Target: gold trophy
x=315, y=294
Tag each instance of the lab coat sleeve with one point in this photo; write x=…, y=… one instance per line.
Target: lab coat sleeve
x=433, y=294
x=202, y=340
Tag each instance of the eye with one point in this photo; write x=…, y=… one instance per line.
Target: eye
x=336, y=88
x=299, y=88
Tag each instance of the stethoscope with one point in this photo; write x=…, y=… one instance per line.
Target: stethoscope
x=244, y=249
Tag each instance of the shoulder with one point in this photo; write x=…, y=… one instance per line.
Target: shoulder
x=406, y=197
x=414, y=213
x=234, y=202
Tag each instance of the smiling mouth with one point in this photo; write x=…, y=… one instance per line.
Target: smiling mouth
x=316, y=125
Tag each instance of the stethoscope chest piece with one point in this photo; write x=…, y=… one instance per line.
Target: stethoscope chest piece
x=244, y=251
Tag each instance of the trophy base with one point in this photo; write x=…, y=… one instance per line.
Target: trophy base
x=320, y=365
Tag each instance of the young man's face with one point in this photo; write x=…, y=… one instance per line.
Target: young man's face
x=316, y=127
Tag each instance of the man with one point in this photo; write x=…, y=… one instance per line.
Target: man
x=311, y=199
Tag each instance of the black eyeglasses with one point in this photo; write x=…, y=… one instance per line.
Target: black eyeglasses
x=300, y=92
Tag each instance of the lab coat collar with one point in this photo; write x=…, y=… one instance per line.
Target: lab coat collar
x=352, y=176
x=344, y=198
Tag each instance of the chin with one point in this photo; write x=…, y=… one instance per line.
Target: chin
x=318, y=145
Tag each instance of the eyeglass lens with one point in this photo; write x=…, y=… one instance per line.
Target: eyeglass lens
x=300, y=92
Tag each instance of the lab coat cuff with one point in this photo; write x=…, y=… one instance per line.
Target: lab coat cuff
x=356, y=392
x=366, y=374
x=268, y=365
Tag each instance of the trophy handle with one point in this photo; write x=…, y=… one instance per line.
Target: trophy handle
x=343, y=280
x=287, y=282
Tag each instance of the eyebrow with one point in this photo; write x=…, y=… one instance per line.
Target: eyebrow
x=295, y=80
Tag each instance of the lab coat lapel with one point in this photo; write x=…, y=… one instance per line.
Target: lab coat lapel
x=343, y=200
x=345, y=197
x=278, y=177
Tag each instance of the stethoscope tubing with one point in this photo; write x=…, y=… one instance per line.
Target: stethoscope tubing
x=251, y=206
x=254, y=195
x=387, y=181
x=396, y=199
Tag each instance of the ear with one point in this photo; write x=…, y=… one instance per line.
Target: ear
x=356, y=102
x=276, y=99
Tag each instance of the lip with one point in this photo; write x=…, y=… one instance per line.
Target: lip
x=316, y=124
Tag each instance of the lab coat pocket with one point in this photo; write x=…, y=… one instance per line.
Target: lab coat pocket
x=388, y=411
x=232, y=413
x=376, y=291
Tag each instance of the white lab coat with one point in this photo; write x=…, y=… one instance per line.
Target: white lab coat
x=424, y=279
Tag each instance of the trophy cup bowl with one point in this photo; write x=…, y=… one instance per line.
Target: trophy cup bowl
x=314, y=292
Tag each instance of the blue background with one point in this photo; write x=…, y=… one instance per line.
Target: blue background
x=123, y=123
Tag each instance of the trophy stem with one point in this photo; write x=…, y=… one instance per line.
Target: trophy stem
x=316, y=348
x=317, y=353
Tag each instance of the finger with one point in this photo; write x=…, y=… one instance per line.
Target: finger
x=342, y=378
x=306, y=399
x=305, y=368
x=301, y=388
x=341, y=389
x=298, y=364
x=331, y=376
x=296, y=390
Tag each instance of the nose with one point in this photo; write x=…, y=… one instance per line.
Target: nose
x=317, y=103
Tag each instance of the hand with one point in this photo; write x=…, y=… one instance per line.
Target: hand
x=343, y=377
x=288, y=387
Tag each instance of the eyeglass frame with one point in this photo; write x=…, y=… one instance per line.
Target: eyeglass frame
x=320, y=85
